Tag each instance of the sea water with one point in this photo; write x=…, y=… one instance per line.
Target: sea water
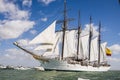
x=57, y=75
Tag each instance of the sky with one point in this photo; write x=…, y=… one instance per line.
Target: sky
x=22, y=20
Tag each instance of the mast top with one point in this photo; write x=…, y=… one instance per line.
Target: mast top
x=100, y=24
x=91, y=30
x=90, y=20
x=64, y=1
x=79, y=24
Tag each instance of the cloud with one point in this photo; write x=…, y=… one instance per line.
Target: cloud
x=46, y=2
x=87, y=29
x=44, y=19
x=114, y=62
x=15, y=22
x=33, y=32
x=11, y=11
x=14, y=28
x=111, y=59
x=115, y=48
x=23, y=41
x=25, y=44
x=17, y=57
x=41, y=13
x=27, y=3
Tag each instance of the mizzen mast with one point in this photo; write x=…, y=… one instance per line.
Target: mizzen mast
x=99, y=42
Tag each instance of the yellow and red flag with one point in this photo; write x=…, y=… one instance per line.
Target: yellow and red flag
x=108, y=52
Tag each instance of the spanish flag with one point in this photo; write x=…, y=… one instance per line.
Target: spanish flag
x=108, y=52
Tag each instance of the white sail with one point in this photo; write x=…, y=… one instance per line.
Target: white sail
x=45, y=40
x=102, y=52
x=82, y=54
x=55, y=52
x=94, y=49
x=70, y=47
x=56, y=47
x=47, y=36
x=44, y=47
x=85, y=40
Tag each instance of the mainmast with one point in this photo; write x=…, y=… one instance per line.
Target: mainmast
x=79, y=31
x=64, y=28
x=90, y=37
x=99, y=42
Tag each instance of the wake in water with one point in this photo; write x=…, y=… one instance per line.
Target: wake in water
x=82, y=79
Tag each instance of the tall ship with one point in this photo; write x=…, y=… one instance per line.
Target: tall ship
x=69, y=49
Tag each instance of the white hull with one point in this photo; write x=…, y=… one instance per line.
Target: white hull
x=21, y=68
x=64, y=66
x=39, y=68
